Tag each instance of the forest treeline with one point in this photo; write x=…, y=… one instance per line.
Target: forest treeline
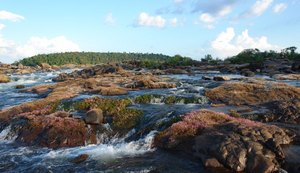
x=143, y=59
x=150, y=60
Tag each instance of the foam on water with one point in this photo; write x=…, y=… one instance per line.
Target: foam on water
x=6, y=137
x=117, y=148
x=9, y=96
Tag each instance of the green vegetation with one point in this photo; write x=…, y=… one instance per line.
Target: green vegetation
x=170, y=99
x=123, y=117
x=256, y=57
x=140, y=59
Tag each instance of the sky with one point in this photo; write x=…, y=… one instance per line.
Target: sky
x=190, y=28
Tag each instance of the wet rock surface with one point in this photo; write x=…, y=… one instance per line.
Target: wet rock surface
x=81, y=158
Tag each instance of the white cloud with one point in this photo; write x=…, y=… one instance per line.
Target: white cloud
x=258, y=8
x=225, y=10
x=5, y=15
x=109, y=19
x=145, y=19
x=228, y=43
x=279, y=7
x=11, y=51
x=174, y=22
x=2, y=26
x=209, y=20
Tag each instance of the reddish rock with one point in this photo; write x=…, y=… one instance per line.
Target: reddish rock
x=50, y=131
x=220, y=140
x=255, y=92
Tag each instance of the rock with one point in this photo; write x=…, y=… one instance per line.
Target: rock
x=111, y=91
x=20, y=86
x=4, y=78
x=49, y=131
x=79, y=159
x=24, y=71
x=259, y=163
x=176, y=71
x=61, y=114
x=217, y=105
x=90, y=72
x=296, y=66
x=248, y=73
x=287, y=76
x=212, y=163
x=235, y=143
x=61, y=77
x=90, y=84
x=20, y=66
x=45, y=66
x=252, y=93
x=94, y=116
x=286, y=111
x=207, y=78
x=55, y=67
x=221, y=78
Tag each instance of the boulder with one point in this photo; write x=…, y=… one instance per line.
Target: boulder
x=247, y=73
x=45, y=66
x=207, y=78
x=285, y=111
x=287, y=76
x=49, y=131
x=221, y=78
x=220, y=140
x=4, y=78
x=61, y=77
x=94, y=116
x=20, y=66
x=252, y=92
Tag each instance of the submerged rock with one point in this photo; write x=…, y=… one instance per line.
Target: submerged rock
x=220, y=140
x=20, y=86
x=79, y=159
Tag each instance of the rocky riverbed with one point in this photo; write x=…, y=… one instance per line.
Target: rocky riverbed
x=110, y=119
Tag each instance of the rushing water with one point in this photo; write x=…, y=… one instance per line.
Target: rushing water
x=10, y=96
x=131, y=153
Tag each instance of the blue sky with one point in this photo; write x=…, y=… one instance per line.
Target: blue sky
x=188, y=27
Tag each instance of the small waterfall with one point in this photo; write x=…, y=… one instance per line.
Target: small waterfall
x=6, y=135
x=113, y=149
